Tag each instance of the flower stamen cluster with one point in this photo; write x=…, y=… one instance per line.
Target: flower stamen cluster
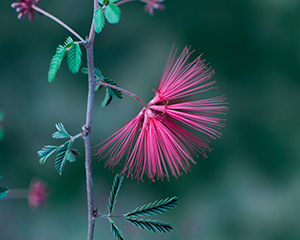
x=24, y=7
x=172, y=128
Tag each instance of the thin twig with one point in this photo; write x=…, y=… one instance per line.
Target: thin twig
x=122, y=90
x=41, y=11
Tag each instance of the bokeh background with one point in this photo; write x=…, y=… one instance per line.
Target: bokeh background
x=249, y=186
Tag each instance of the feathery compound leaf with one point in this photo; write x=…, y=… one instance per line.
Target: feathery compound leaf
x=3, y=192
x=68, y=43
x=151, y=225
x=107, y=98
x=74, y=58
x=112, y=13
x=155, y=208
x=46, y=152
x=97, y=73
x=99, y=20
x=115, y=93
x=55, y=62
x=62, y=156
x=61, y=133
x=114, y=192
x=116, y=231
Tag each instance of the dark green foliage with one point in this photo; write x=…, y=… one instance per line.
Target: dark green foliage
x=111, y=92
x=116, y=231
x=107, y=98
x=3, y=192
x=114, y=192
x=97, y=73
x=112, y=13
x=74, y=58
x=61, y=132
x=64, y=153
x=99, y=20
x=151, y=225
x=155, y=208
x=46, y=152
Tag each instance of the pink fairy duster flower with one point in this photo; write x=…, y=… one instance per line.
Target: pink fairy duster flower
x=172, y=127
x=37, y=193
x=25, y=6
x=153, y=5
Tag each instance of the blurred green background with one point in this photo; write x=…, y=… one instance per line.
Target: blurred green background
x=248, y=188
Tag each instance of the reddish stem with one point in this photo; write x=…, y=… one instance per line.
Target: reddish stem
x=124, y=91
x=41, y=11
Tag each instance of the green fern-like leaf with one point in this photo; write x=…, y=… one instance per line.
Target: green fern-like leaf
x=107, y=99
x=55, y=62
x=155, y=208
x=3, y=192
x=97, y=73
x=68, y=43
x=115, y=93
x=116, y=231
x=62, y=155
x=61, y=132
x=74, y=58
x=46, y=152
x=112, y=13
x=114, y=192
x=151, y=225
x=99, y=20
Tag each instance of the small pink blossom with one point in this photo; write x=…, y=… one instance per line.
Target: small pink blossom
x=25, y=6
x=166, y=134
x=153, y=5
x=37, y=194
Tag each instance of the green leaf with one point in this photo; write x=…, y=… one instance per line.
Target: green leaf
x=61, y=132
x=71, y=157
x=117, y=94
x=57, y=58
x=55, y=62
x=112, y=13
x=116, y=231
x=46, y=152
x=102, y=2
x=107, y=99
x=74, y=58
x=68, y=43
x=3, y=192
x=97, y=73
x=99, y=20
x=151, y=225
x=112, y=1
x=114, y=192
x=155, y=208
x=62, y=156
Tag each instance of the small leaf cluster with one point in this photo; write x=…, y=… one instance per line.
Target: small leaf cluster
x=73, y=52
x=110, y=92
x=108, y=10
x=154, y=208
x=65, y=152
x=3, y=191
